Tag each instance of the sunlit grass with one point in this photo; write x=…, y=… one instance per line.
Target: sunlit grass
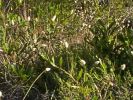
x=68, y=50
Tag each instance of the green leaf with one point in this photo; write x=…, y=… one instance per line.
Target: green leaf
x=80, y=74
x=53, y=60
x=60, y=61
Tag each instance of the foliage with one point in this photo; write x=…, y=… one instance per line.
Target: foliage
x=66, y=49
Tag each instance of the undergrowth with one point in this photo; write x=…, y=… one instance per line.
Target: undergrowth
x=66, y=49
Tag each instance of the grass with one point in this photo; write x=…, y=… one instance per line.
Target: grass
x=66, y=50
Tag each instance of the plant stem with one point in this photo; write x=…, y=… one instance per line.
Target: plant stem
x=33, y=83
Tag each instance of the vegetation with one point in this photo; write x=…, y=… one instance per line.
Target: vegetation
x=66, y=49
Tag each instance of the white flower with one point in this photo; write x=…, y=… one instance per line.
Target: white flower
x=48, y=69
x=82, y=62
x=111, y=83
x=1, y=94
x=123, y=66
x=66, y=44
x=29, y=18
x=75, y=1
x=84, y=24
x=12, y=22
x=131, y=52
x=6, y=24
x=89, y=26
x=72, y=11
x=34, y=49
x=36, y=19
x=53, y=18
x=97, y=62
x=35, y=41
x=128, y=21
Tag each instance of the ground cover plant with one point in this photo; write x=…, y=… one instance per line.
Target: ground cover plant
x=66, y=49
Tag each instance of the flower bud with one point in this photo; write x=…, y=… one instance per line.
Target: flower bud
x=82, y=62
x=123, y=66
x=97, y=62
x=1, y=94
x=48, y=69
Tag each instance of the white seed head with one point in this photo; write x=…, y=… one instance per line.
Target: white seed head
x=82, y=62
x=48, y=69
x=128, y=21
x=132, y=53
x=43, y=32
x=66, y=44
x=72, y=11
x=97, y=62
x=36, y=19
x=35, y=41
x=29, y=18
x=6, y=24
x=123, y=66
x=89, y=26
x=76, y=1
x=111, y=83
x=53, y=18
x=84, y=24
x=12, y=22
x=34, y=49
x=1, y=94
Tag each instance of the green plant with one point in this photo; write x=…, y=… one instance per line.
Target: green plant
x=75, y=50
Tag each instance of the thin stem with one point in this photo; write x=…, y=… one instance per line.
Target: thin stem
x=33, y=84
